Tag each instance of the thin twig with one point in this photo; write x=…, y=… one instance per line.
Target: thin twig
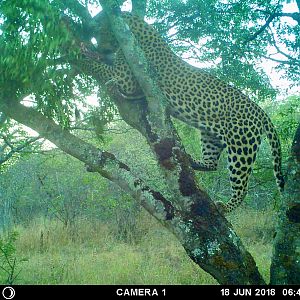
x=262, y=29
x=14, y=149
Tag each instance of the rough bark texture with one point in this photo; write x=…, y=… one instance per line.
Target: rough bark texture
x=285, y=268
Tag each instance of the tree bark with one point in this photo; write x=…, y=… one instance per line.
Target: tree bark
x=139, y=8
x=285, y=267
x=103, y=162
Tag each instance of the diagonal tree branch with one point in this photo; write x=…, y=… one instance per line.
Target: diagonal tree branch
x=272, y=16
x=105, y=163
x=262, y=29
x=289, y=57
x=77, y=8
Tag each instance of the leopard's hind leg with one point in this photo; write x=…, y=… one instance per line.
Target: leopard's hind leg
x=212, y=147
x=241, y=159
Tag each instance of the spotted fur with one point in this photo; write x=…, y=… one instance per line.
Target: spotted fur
x=225, y=117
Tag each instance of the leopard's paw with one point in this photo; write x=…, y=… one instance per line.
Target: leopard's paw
x=221, y=207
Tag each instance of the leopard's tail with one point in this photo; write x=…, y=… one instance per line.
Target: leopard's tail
x=276, y=151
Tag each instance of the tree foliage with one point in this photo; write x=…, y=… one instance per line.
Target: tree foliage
x=235, y=36
x=31, y=62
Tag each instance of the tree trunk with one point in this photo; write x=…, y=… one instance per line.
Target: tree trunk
x=285, y=267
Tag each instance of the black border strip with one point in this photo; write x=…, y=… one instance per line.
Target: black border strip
x=148, y=291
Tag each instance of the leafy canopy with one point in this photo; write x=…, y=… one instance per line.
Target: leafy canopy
x=232, y=36
x=31, y=61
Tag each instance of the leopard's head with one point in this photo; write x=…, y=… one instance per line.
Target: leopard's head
x=106, y=41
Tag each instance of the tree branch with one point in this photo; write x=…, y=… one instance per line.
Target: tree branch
x=294, y=15
x=3, y=118
x=6, y=141
x=262, y=29
x=77, y=8
x=286, y=62
x=18, y=149
x=105, y=163
x=272, y=16
x=289, y=57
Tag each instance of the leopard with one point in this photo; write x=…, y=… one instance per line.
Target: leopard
x=225, y=116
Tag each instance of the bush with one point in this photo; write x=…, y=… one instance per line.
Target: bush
x=10, y=264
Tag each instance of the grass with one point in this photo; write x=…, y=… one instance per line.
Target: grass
x=256, y=229
x=93, y=254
